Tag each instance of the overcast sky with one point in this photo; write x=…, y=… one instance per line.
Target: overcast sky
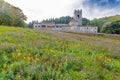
x=43, y=9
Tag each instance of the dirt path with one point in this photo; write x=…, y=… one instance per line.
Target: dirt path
x=74, y=36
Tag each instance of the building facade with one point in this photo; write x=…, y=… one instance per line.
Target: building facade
x=74, y=25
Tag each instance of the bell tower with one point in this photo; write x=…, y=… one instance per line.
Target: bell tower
x=78, y=17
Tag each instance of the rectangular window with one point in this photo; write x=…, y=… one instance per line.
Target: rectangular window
x=43, y=26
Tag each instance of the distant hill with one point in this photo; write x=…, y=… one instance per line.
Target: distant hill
x=103, y=22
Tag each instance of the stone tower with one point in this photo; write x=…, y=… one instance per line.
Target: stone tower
x=78, y=17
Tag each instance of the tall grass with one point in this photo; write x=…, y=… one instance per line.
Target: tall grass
x=28, y=54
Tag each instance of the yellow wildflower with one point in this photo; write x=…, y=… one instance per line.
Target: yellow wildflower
x=28, y=58
x=19, y=55
x=4, y=65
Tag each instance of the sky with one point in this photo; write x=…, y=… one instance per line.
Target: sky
x=44, y=9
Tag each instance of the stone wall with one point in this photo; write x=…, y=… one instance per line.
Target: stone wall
x=85, y=29
x=78, y=17
x=82, y=29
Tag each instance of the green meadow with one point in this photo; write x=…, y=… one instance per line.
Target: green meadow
x=30, y=54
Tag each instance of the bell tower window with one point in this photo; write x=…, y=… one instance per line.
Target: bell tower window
x=78, y=16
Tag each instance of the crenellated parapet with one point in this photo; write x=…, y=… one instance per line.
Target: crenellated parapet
x=78, y=17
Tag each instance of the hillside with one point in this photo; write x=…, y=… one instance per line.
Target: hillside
x=29, y=54
x=103, y=22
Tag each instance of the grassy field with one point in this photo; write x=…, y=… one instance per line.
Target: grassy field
x=28, y=54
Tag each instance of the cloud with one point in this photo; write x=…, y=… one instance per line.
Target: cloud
x=117, y=0
x=96, y=9
x=104, y=1
x=43, y=9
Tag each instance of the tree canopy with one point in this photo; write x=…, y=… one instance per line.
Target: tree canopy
x=61, y=20
x=103, y=22
x=113, y=28
x=66, y=20
x=11, y=15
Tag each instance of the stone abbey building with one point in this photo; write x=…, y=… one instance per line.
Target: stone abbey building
x=75, y=25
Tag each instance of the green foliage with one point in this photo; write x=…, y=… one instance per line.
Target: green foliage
x=85, y=21
x=61, y=20
x=11, y=15
x=27, y=54
x=103, y=22
x=65, y=20
x=99, y=23
x=113, y=28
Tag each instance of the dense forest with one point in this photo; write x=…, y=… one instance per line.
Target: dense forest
x=11, y=15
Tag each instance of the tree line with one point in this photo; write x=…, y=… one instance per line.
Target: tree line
x=61, y=20
x=66, y=20
x=11, y=15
